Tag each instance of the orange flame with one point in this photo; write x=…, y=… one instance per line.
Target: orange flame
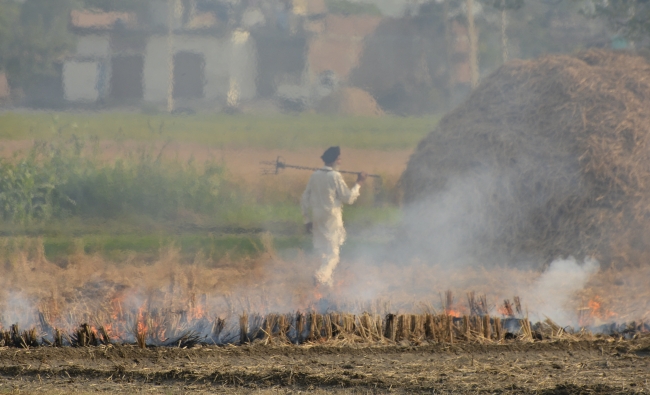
x=142, y=326
x=197, y=312
x=503, y=311
x=594, y=312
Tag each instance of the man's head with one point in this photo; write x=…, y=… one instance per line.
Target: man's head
x=331, y=156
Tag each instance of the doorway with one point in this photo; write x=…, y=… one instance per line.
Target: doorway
x=126, y=77
x=189, y=75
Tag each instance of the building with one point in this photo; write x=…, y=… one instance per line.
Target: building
x=187, y=55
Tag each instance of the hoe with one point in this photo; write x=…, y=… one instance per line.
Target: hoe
x=279, y=165
x=275, y=167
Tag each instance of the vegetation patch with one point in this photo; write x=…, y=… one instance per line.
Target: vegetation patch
x=223, y=130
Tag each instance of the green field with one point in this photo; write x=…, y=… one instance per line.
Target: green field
x=62, y=195
x=222, y=130
x=118, y=239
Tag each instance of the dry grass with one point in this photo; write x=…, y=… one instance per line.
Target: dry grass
x=164, y=300
x=136, y=388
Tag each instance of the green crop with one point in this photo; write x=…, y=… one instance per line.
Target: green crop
x=59, y=181
x=27, y=189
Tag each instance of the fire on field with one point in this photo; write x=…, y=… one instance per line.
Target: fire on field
x=270, y=299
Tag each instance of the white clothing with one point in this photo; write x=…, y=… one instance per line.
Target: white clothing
x=321, y=205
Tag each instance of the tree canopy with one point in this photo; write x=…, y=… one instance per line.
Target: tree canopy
x=505, y=4
x=34, y=35
x=630, y=18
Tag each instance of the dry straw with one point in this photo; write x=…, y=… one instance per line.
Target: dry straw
x=563, y=143
x=334, y=328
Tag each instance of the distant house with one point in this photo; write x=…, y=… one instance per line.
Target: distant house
x=124, y=60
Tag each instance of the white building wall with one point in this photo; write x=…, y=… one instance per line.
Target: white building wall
x=80, y=81
x=216, y=54
x=156, y=76
x=243, y=64
x=93, y=46
x=159, y=14
x=226, y=60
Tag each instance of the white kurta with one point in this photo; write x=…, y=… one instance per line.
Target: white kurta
x=321, y=205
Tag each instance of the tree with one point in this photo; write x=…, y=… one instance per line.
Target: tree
x=34, y=36
x=630, y=18
x=540, y=27
x=504, y=6
x=401, y=65
x=9, y=13
x=473, y=44
x=9, y=25
x=117, y=5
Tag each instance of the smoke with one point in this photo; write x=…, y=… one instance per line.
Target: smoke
x=380, y=275
x=555, y=290
x=448, y=227
x=17, y=309
x=453, y=240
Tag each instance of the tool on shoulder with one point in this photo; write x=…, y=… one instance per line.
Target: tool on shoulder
x=275, y=167
x=279, y=164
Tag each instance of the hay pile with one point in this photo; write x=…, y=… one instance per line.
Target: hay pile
x=350, y=101
x=556, y=151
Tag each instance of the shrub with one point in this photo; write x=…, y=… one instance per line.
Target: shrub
x=60, y=180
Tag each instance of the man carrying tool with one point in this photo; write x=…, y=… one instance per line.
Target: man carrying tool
x=321, y=205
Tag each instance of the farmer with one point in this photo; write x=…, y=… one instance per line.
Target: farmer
x=321, y=205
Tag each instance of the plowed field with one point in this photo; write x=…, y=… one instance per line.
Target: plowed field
x=563, y=367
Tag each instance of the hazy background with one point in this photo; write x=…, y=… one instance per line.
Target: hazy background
x=359, y=57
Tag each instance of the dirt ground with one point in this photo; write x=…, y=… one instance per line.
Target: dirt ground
x=604, y=366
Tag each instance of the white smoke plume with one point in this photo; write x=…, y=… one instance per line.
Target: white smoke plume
x=553, y=292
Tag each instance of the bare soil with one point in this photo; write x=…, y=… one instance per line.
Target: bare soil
x=604, y=366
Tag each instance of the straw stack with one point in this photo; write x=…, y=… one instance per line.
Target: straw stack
x=557, y=151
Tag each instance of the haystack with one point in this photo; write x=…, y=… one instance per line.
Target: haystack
x=563, y=144
x=350, y=101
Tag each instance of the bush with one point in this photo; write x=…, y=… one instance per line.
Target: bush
x=55, y=181
x=26, y=190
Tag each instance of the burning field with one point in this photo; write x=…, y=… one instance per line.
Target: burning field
x=259, y=326
x=519, y=266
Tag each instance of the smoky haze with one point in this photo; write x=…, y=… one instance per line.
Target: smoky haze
x=332, y=56
x=389, y=61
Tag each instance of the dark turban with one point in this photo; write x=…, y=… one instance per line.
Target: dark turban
x=331, y=154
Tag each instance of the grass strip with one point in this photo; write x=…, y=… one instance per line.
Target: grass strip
x=223, y=130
